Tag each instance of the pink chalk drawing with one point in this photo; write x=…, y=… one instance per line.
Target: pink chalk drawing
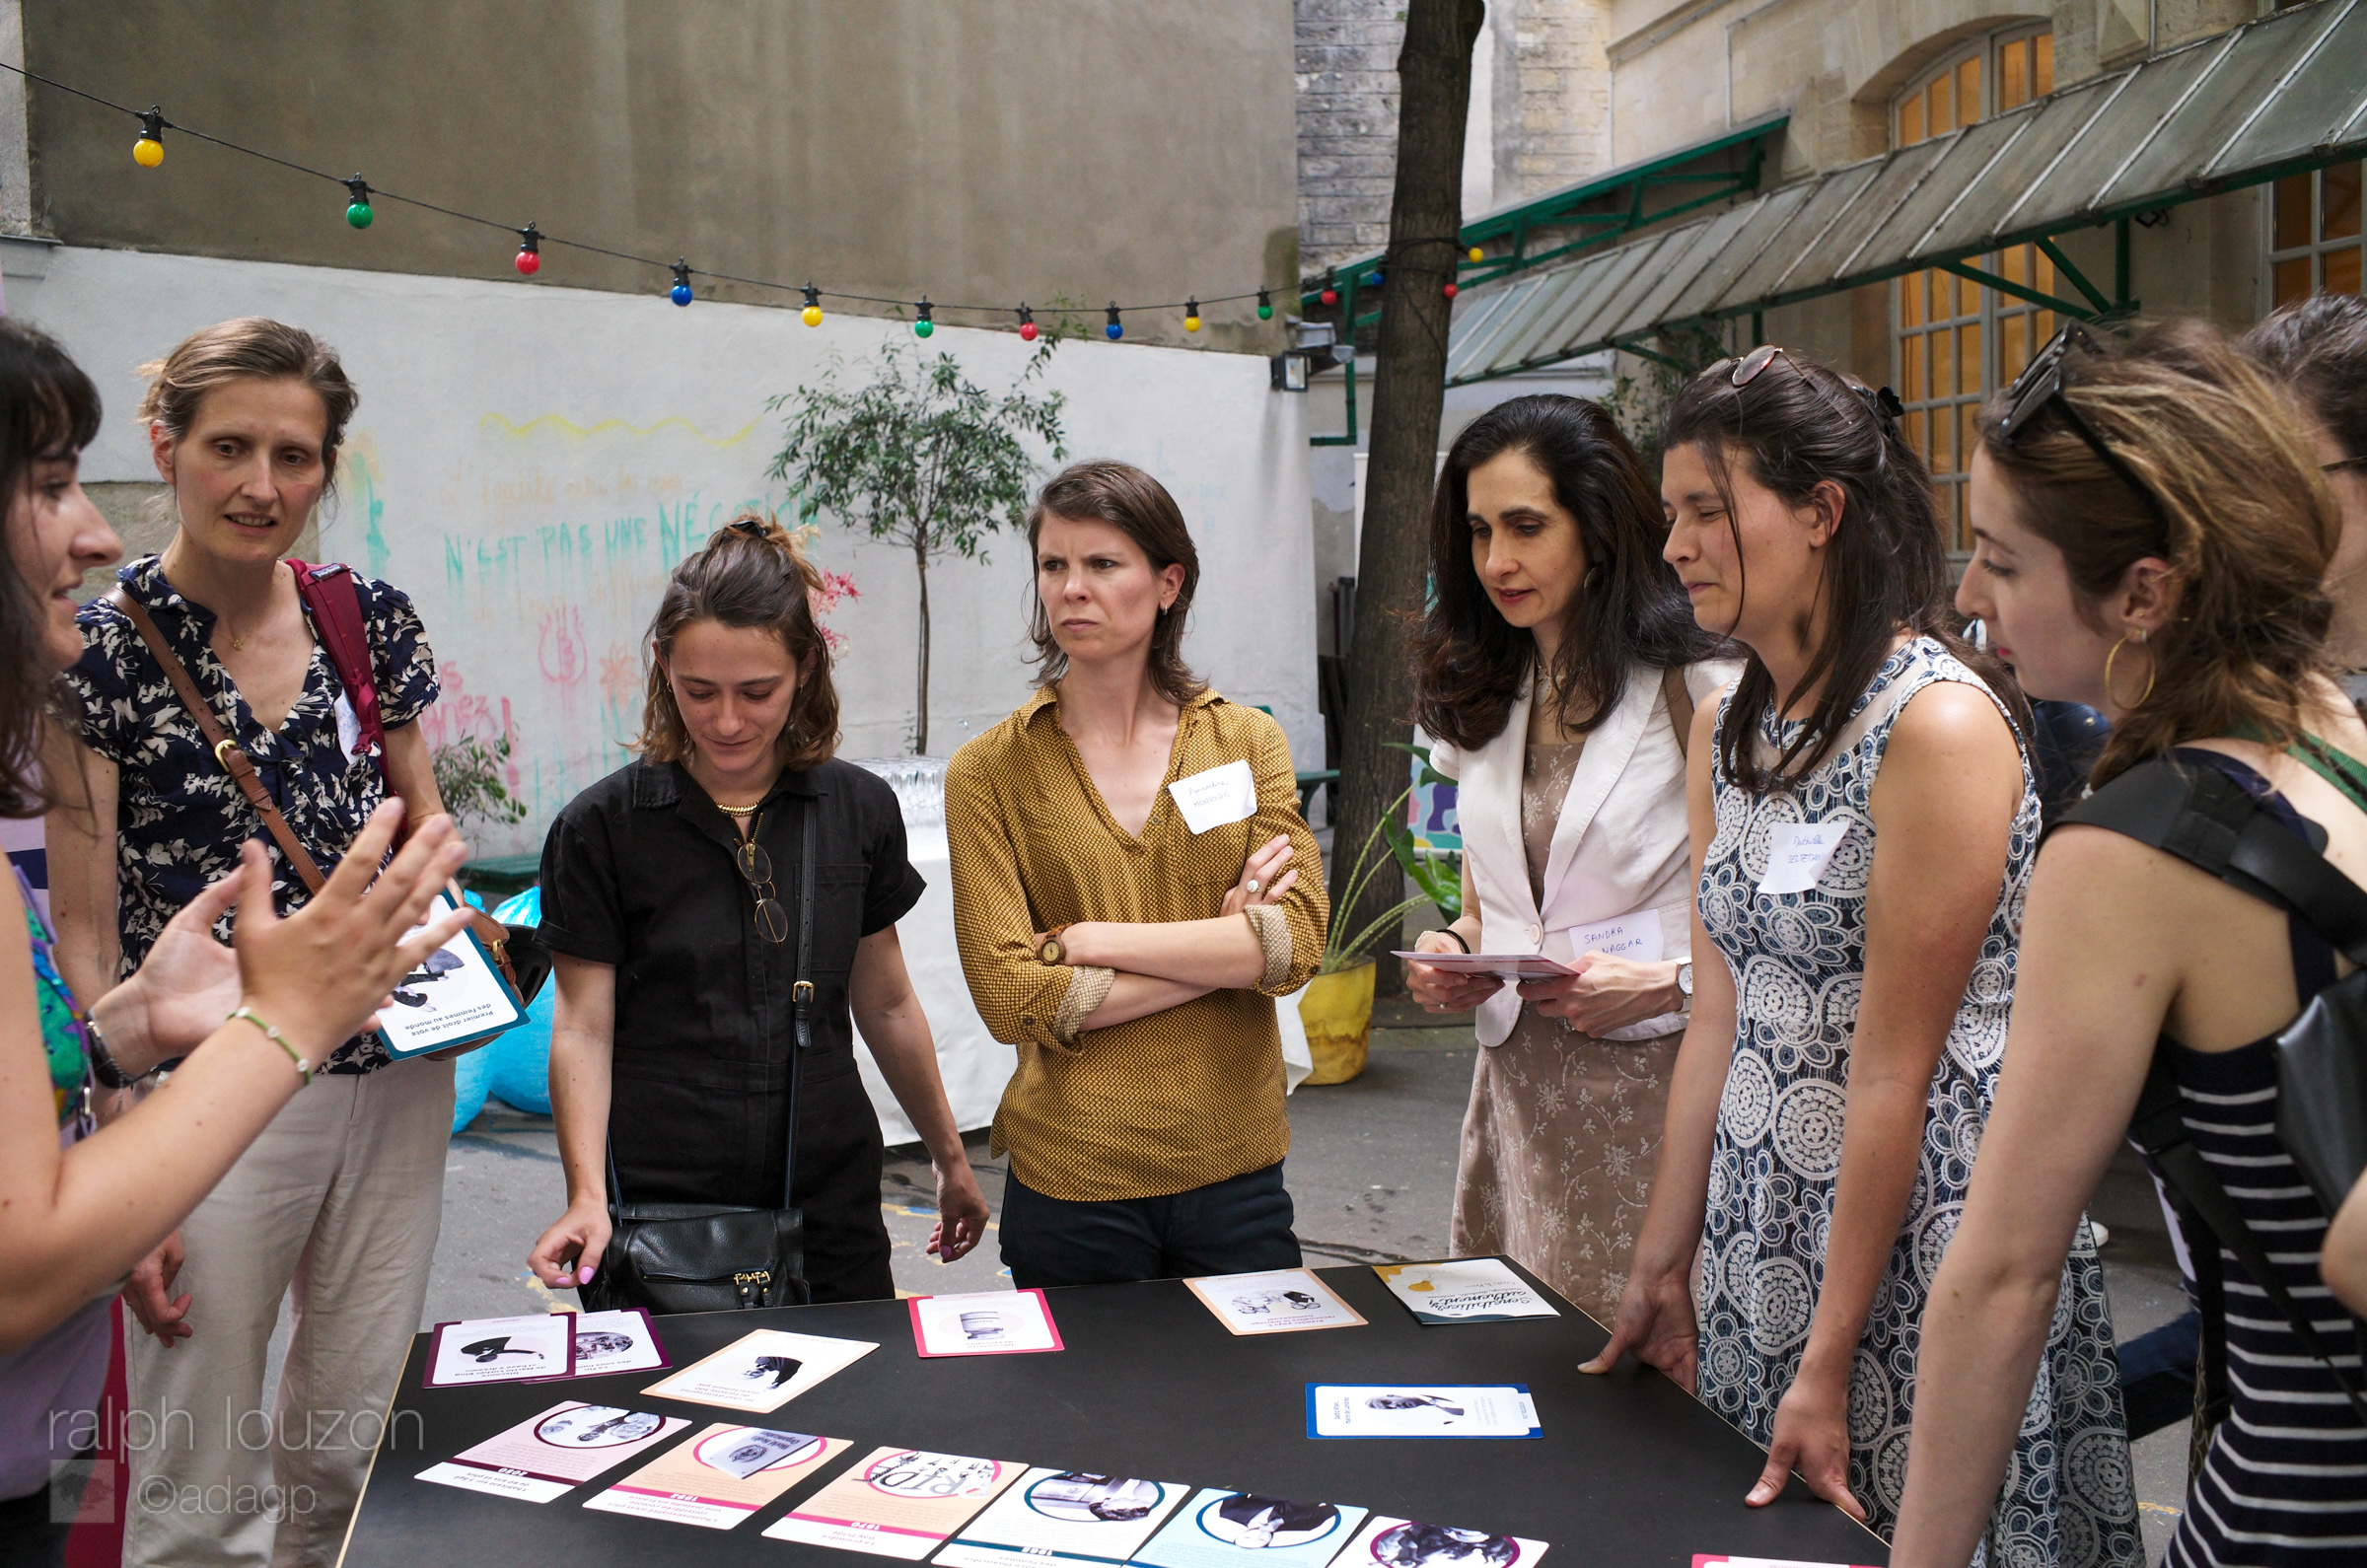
x=836, y=587
x=560, y=647
x=460, y=713
x=619, y=676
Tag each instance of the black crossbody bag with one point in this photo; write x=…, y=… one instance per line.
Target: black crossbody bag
x=703, y=1257
x=2207, y=819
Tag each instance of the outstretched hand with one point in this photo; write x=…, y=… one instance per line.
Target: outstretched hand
x=1812, y=1436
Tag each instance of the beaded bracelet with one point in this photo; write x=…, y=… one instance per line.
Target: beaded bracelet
x=304, y=1069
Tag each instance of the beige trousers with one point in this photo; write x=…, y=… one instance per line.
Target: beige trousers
x=336, y=1206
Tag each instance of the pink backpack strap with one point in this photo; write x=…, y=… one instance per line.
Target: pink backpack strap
x=335, y=607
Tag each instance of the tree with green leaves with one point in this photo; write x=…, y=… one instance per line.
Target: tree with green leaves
x=921, y=457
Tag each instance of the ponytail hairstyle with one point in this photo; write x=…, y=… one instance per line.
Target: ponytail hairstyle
x=1795, y=424
x=48, y=408
x=1470, y=662
x=250, y=349
x=751, y=574
x=2247, y=525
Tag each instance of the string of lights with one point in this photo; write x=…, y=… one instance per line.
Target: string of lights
x=149, y=153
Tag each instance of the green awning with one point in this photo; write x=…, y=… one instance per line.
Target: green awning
x=2272, y=97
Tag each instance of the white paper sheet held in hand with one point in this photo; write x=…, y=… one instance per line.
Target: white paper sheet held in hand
x=1409, y=1543
x=1078, y=1516
x=1421, y=1411
x=1799, y=852
x=1217, y=796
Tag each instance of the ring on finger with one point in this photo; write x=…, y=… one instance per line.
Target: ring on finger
x=1254, y=885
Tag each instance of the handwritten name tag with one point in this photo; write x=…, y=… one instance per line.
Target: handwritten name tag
x=1221, y=795
x=1634, y=937
x=1799, y=852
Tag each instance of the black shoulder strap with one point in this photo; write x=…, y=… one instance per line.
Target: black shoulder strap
x=2209, y=821
x=801, y=994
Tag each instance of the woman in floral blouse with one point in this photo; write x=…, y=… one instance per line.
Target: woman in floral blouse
x=343, y=1194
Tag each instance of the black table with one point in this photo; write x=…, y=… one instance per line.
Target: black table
x=1630, y=1470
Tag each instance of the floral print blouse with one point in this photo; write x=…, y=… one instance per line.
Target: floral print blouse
x=180, y=819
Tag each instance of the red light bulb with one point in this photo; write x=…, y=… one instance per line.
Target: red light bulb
x=1449, y=291
x=527, y=264
x=1330, y=296
x=1026, y=331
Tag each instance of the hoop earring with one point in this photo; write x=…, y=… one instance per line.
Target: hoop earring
x=2150, y=673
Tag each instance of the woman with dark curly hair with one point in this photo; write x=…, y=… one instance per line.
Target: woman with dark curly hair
x=1558, y=668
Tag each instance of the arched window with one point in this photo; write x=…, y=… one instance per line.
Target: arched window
x=1953, y=340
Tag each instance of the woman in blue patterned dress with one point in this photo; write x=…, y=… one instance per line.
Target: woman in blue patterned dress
x=1864, y=821
x=2152, y=534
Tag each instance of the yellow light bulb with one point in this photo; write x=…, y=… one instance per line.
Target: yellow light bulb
x=812, y=314
x=148, y=152
x=1192, y=324
x=1477, y=254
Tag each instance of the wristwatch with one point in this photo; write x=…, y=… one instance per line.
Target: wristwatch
x=102, y=1061
x=1684, y=982
x=1052, y=949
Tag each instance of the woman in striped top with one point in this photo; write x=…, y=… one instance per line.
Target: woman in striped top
x=2153, y=529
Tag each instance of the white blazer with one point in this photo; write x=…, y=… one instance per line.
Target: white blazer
x=1619, y=848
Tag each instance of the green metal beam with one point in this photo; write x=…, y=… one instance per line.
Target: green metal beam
x=2070, y=269
x=2022, y=291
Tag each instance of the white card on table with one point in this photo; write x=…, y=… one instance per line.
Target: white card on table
x=1421, y=1411
x=1220, y=795
x=546, y=1455
x=1075, y=1516
x=896, y=1503
x=720, y=1478
x=1634, y=937
x=988, y=1322
x=501, y=1350
x=1712, y=1560
x=1409, y=1543
x=1220, y=1529
x=1799, y=852
x=1464, y=1290
x=613, y=1343
x=762, y=1370
x=1280, y=1301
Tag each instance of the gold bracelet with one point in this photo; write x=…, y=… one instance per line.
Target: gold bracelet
x=304, y=1069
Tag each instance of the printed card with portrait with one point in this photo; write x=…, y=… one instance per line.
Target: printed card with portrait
x=1280, y=1301
x=521, y=1349
x=1219, y=1528
x=1410, y=1543
x=897, y=1503
x=720, y=1478
x=1421, y=1411
x=1087, y=1517
x=556, y=1452
x=760, y=1372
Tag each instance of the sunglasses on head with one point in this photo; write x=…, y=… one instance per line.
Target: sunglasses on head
x=1740, y=372
x=2040, y=387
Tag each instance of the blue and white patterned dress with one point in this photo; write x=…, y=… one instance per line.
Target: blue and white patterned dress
x=1799, y=966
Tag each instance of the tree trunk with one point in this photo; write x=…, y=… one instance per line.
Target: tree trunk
x=1434, y=83
x=921, y=725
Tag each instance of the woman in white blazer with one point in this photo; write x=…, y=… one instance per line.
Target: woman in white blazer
x=1558, y=668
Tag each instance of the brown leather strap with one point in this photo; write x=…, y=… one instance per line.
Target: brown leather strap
x=1681, y=707
x=234, y=761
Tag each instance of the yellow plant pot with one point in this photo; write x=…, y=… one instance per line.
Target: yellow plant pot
x=1338, y=1010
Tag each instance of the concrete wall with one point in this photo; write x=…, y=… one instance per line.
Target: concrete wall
x=988, y=152
x=528, y=463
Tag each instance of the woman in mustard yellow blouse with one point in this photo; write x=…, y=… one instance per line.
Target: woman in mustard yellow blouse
x=1132, y=881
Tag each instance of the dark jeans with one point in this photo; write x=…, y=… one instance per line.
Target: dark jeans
x=2157, y=1376
x=1236, y=1226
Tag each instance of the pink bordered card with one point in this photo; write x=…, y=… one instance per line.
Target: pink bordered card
x=524, y=1349
x=994, y=1323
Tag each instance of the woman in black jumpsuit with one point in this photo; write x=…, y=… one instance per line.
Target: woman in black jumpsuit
x=671, y=1040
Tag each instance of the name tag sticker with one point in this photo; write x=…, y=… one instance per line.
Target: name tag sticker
x=1799, y=852
x=1221, y=795
x=1634, y=937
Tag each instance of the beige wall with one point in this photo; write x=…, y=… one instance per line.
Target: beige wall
x=990, y=151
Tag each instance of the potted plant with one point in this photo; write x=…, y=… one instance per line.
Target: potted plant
x=1336, y=1006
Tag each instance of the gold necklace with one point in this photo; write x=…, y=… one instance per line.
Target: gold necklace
x=740, y=811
